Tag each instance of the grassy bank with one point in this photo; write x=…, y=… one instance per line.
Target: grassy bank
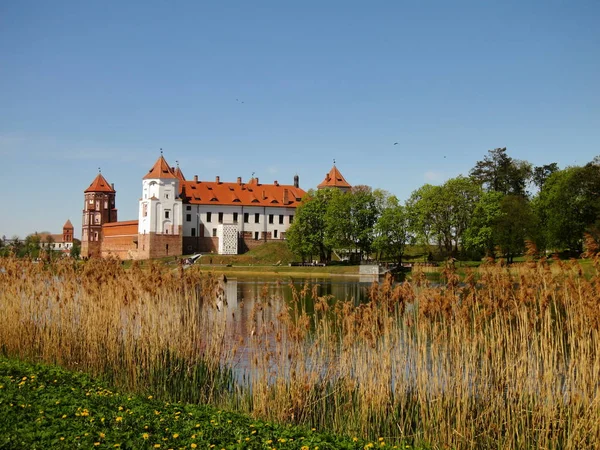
x=43, y=406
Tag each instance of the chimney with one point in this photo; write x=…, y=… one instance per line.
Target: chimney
x=275, y=183
x=218, y=179
x=239, y=180
x=256, y=181
x=195, y=178
x=296, y=181
x=286, y=199
x=112, y=185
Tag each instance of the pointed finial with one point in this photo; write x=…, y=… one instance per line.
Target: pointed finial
x=252, y=174
x=161, y=151
x=177, y=162
x=99, y=170
x=334, y=161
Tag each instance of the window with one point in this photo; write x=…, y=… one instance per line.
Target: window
x=188, y=208
x=291, y=219
x=235, y=217
x=145, y=209
x=256, y=235
x=193, y=232
x=275, y=234
x=220, y=217
x=246, y=217
x=188, y=217
x=167, y=214
x=280, y=219
x=208, y=217
x=270, y=218
x=257, y=218
x=214, y=232
x=166, y=196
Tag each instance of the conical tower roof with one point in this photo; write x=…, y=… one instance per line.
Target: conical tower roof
x=334, y=179
x=100, y=185
x=160, y=169
x=68, y=225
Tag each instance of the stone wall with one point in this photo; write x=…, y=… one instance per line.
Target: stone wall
x=154, y=245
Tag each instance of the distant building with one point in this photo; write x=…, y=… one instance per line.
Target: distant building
x=179, y=216
x=58, y=242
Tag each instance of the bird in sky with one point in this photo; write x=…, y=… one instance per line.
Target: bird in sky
x=395, y=143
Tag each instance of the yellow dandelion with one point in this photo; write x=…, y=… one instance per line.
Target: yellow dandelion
x=175, y=436
x=305, y=447
x=120, y=408
x=145, y=435
x=102, y=435
x=150, y=397
x=193, y=445
x=96, y=444
x=64, y=416
x=156, y=445
x=119, y=419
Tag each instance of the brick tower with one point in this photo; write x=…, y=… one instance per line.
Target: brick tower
x=98, y=209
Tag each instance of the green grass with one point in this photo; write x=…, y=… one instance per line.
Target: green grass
x=45, y=406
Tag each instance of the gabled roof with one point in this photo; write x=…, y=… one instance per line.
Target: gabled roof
x=68, y=225
x=334, y=179
x=241, y=194
x=100, y=185
x=160, y=170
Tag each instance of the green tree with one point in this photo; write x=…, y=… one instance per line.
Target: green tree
x=541, y=173
x=32, y=245
x=75, y=249
x=501, y=173
x=306, y=236
x=568, y=204
x=441, y=214
x=479, y=235
x=392, y=230
x=514, y=224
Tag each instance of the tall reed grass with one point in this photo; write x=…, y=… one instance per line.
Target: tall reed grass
x=506, y=358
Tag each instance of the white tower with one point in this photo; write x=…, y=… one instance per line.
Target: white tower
x=160, y=212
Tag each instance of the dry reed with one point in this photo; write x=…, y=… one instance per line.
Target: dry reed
x=507, y=358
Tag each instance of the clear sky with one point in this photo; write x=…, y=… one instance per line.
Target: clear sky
x=280, y=88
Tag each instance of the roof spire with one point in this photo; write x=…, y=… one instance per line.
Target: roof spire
x=334, y=161
x=99, y=170
x=161, y=151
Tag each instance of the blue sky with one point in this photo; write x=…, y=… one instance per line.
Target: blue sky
x=284, y=88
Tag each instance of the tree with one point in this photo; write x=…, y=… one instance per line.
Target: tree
x=499, y=172
x=479, y=236
x=442, y=213
x=392, y=230
x=568, y=204
x=32, y=245
x=75, y=249
x=513, y=225
x=541, y=174
x=306, y=236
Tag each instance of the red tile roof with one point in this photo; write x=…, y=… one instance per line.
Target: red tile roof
x=100, y=185
x=334, y=179
x=179, y=173
x=241, y=194
x=161, y=169
x=68, y=225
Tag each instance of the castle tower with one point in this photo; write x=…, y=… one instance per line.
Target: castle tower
x=160, y=212
x=98, y=209
x=67, y=232
x=334, y=179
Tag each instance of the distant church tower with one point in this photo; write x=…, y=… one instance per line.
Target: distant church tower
x=160, y=213
x=98, y=209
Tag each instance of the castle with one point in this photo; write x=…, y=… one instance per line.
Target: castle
x=179, y=216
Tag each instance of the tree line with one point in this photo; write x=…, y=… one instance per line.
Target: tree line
x=501, y=205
